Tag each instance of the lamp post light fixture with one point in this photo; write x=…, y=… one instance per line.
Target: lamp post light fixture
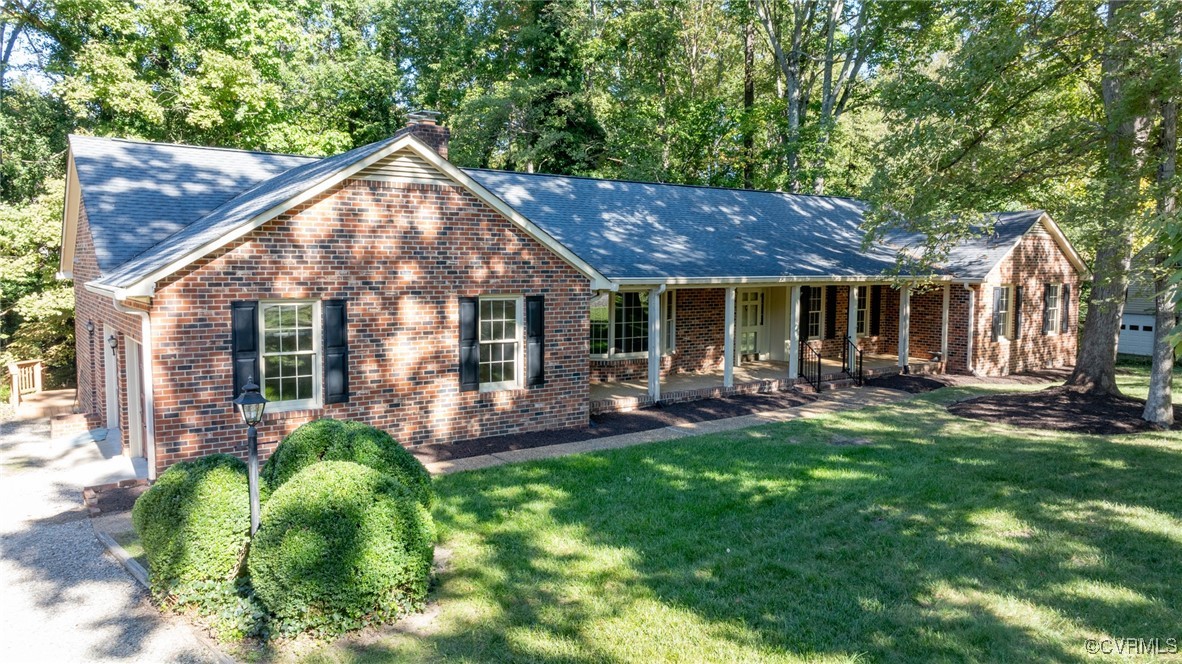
x=252, y=404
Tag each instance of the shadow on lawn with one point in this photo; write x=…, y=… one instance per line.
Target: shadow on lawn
x=946, y=539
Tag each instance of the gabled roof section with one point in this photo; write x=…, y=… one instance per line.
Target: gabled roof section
x=268, y=199
x=976, y=257
x=637, y=232
x=136, y=194
x=233, y=214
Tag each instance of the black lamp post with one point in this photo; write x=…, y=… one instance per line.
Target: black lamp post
x=252, y=404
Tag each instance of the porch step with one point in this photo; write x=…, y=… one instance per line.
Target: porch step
x=827, y=385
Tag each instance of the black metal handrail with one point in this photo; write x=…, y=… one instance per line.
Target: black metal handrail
x=810, y=366
x=856, y=372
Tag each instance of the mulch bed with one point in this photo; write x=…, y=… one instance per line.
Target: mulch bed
x=614, y=424
x=116, y=497
x=911, y=383
x=921, y=383
x=1060, y=409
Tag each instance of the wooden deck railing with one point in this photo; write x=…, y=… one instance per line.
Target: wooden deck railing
x=25, y=379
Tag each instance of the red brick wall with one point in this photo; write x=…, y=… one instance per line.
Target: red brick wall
x=1035, y=261
x=700, y=321
x=886, y=339
x=958, y=330
x=927, y=322
x=89, y=307
x=402, y=255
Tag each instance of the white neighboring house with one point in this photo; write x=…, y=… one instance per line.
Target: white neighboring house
x=1136, y=327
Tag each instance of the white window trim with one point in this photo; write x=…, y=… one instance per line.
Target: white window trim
x=516, y=383
x=1058, y=319
x=668, y=301
x=820, y=315
x=1007, y=325
x=864, y=308
x=317, y=360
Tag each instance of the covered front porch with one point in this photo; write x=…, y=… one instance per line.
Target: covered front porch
x=716, y=341
x=750, y=378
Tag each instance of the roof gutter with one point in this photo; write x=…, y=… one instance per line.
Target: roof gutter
x=119, y=294
x=710, y=281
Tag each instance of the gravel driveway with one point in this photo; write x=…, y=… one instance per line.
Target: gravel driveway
x=62, y=597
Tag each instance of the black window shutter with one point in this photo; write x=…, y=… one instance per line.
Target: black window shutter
x=1065, y=308
x=535, y=341
x=831, y=312
x=875, y=315
x=469, y=344
x=336, y=351
x=805, y=296
x=244, y=343
x=1017, y=311
x=1048, y=325
x=996, y=313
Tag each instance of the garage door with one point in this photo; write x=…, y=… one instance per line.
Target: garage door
x=1136, y=335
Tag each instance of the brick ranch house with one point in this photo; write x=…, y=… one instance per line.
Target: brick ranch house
x=442, y=304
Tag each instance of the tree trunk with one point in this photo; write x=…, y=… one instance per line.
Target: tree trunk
x=1095, y=366
x=748, y=104
x=1159, y=407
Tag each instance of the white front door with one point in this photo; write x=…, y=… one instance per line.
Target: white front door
x=135, y=413
x=751, y=325
x=110, y=381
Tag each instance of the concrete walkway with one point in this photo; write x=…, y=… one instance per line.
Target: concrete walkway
x=62, y=597
x=828, y=402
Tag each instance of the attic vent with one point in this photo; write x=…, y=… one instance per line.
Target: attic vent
x=404, y=166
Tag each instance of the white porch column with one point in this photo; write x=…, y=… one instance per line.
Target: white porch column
x=944, y=325
x=793, y=300
x=654, y=343
x=851, y=328
x=904, y=328
x=728, y=348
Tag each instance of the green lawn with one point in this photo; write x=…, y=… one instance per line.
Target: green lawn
x=945, y=539
x=130, y=541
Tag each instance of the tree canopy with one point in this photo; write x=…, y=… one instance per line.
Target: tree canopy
x=936, y=112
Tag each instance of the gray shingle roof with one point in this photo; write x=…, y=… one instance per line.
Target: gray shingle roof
x=236, y=212
x=152, y=204
x=640, y=230
x=972, y=259
x=136, y=193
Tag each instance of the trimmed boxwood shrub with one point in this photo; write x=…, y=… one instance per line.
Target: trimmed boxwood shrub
x=341, y=546
x=194, y=523
x=338, y=440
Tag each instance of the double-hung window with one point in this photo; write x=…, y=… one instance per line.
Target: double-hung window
x=1004, y=312
x=290, y=362
x=500, y=343
x=619, y=324
x=1053, y=308
x=863, y=307
x=814, y=312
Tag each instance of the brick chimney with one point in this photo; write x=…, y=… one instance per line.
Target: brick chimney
x=424, y=125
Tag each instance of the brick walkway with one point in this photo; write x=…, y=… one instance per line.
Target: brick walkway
x=828, y=402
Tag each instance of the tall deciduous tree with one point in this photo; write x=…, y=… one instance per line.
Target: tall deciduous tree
x=1027, y=102
x=1164, y=60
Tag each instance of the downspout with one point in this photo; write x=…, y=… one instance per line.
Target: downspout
x=146, y=382
x=972, y=317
